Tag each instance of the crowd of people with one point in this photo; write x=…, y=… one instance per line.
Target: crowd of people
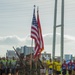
x=46, y=67
x=57, y=68
x=7, y=66
x=18, y=66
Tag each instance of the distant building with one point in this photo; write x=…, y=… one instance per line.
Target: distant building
x=68, y=57
x=25, y=49
x=58, y=57
x=46, y=55
x=10, y=54
x=19, y=50
x=73, y=58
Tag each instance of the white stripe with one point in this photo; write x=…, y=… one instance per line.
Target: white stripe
x=34, y=32
x=34, y=27
x=36, y=38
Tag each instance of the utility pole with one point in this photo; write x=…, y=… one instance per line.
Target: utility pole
x=62, y=30
x=54, y=30
x=54, y=33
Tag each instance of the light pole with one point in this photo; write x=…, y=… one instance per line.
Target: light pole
x=62, y=30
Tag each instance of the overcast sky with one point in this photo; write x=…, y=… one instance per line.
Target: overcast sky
x=16, y=18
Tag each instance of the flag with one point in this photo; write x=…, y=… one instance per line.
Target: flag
x=35, y=34
x=40, y=32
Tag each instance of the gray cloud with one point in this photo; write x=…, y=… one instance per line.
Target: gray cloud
x=48, y=39
x=10, y=40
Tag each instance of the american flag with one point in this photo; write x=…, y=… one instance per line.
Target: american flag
x=36, y=34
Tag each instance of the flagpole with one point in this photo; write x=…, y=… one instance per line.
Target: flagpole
x=31, y=53
x=31, y=57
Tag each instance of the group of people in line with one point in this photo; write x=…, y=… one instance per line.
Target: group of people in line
x=18, y=66
x=7, y=66
x=57, y=68
x=10, y=66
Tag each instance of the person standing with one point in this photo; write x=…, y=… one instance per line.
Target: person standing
x=13, y=66
x=50, y=67
x=54, y=66
x=4, y=66
x=7, y=66
x=64, y=68
x=0, y=66
x=43, y=70
x=70, y=68
x=58, y=67
x=73, y=67
x=27, y=65
x=21, y=62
